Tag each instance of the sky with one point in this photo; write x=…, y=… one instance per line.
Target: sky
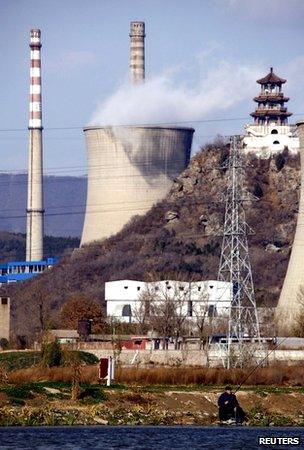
x=202, y=60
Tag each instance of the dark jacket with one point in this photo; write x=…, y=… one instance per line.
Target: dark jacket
x=229, y=398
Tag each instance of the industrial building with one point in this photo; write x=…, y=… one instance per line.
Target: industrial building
x=291, y=302
x=124, y=297
x=270, y=133
x=14, y=271
x=130, y=168
x=5, y=317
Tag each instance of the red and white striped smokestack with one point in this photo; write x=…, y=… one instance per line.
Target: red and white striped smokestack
x=35, y=211
x=137, y=52
x=35, y=86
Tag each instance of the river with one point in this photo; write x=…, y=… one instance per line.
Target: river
x=143, y=438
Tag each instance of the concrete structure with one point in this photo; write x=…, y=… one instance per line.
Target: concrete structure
x=291, y=302
x=137, y=52
x=35, y=211
x=124, y=297
x=270, y=132
x=129, y=170
x=5, y=309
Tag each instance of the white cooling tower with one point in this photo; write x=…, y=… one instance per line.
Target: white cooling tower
x=129, y=169
x=290, y=304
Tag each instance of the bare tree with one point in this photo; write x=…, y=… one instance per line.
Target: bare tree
x=298, y=329
x=202, y=320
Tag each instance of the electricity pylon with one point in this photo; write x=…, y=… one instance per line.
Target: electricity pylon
x=235, y=266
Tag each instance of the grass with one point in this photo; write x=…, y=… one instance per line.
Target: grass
x=275, y=377
x=24, y=359
x=280, y=375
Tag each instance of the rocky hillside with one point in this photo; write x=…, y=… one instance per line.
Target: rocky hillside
x=178, y=238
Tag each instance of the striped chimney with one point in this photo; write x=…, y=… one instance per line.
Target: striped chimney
x=35, y=211
x=137, y=52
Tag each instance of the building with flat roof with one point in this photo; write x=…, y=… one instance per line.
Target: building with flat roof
x=124, y=297
x=14, y=271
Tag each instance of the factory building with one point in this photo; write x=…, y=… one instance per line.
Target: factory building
x=270, y=133
x=124, y=297
x=14, y=271
x=290, y=304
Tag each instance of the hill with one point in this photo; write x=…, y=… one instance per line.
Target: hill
x=179, y=237
x=64, y=199
x=12, y=246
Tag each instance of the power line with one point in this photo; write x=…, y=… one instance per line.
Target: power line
x=178, y=122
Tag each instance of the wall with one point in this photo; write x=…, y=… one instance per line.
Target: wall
x=260, y=140
x=5, y=317
x=202, y=294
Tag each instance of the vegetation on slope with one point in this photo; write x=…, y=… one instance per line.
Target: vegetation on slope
x=12, y=246
x=179, y=238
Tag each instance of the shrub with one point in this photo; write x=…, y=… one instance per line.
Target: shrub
x=4, y=344
x=51, y=354
x=279, y=161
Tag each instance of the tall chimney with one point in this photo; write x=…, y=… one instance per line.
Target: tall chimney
x=290, y=302
x=35, y=211
x=137, y=52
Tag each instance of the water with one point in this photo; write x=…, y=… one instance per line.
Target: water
x=142, y=438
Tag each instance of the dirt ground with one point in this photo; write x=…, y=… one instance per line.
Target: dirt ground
x=152, y=405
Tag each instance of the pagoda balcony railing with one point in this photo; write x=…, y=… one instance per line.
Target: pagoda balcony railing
x=269, y=108
x=271, y=94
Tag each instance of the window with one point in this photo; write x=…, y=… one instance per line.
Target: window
x=190, y=308
x=126, y=311
x=126, y=287
x=274, y=131
x=4, y=301
x=138, y=288
x=181, y=288
x=276, y=142
x=199, y=288
x=212, y=311
x=211, y=287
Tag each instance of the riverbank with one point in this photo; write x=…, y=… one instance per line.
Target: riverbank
x=49, y=403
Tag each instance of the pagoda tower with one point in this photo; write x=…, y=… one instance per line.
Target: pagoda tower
x=270, y=132
x=271, y=101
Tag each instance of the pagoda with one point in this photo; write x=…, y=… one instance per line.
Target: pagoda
x=271, y=101
x=270, y=118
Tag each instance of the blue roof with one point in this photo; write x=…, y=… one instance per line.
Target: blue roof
x=45, y=262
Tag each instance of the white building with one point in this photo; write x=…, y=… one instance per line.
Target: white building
x=270, y=133
x=124, y=297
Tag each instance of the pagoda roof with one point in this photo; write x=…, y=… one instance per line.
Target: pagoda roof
x=271, y=77
x=271, y=98
x=270, y=112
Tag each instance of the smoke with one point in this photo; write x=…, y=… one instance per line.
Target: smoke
x=164, y=100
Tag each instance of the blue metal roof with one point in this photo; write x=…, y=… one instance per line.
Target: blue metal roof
x=13, y=265
x=46, y=262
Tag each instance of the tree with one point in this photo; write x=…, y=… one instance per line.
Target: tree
x=81, y=308
x=163, y=308
x=203, y=323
